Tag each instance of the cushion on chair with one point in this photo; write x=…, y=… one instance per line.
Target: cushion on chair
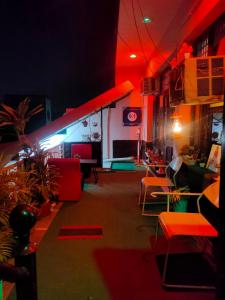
x=156, y=181
x=185, y=224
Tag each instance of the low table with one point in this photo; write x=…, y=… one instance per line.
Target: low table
x=87, y=166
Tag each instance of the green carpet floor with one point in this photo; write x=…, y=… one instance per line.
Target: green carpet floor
x=118, y=266
x=129, y=166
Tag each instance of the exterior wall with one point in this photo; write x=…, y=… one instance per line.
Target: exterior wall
x=221, y=48
x=112, y=123
x=113, y=128
x=80, y=133
x=185, y=112
x=147, y=119
x=135, y=76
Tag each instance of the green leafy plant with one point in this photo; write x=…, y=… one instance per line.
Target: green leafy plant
x=7, y=244
x=30, y=181
x=14, y=190
x=6, y=238
x=42, y=177
x=18, y=118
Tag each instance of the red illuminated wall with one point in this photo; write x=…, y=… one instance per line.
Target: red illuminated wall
x=134, y=75
x=221, y=48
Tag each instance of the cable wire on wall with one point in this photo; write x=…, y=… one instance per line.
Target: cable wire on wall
x=138, y=34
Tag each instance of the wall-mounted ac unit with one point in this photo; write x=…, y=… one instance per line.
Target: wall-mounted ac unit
x=198, y=80
x=150, y=86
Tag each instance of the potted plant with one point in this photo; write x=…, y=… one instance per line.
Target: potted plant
x=17, y=119
x=42, y=177
x=31, y=182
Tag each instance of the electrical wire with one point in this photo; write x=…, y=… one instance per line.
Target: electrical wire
x=125, y=43
x=138, y=33
x=150, y=37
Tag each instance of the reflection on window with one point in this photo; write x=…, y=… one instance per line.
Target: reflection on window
x=217, y=126
x=203, y=47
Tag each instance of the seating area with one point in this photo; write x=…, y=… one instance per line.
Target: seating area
x=154, y=191
x=117, y=251
x=94, y=208
x=176, y=220
x=175, y=176
x=176, y=224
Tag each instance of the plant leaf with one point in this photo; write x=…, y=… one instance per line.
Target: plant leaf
x=11, y=111
x=35, y=111
x=23, y=107
x=6, y=123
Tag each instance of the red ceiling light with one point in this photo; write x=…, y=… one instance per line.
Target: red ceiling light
x=133, y=55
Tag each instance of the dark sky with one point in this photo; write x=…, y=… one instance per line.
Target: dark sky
x=64, y=49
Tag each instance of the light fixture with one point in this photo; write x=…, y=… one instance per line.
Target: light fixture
x=147, y=20
x=52, y=141
x=176, y=125
x=133, y=55
x=177, y=128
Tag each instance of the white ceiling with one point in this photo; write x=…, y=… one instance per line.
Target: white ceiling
x=161, y=36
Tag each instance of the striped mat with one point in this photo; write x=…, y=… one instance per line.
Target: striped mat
x=80, y=232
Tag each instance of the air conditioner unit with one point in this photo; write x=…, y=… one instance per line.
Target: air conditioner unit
x=198, y=80
x=150, y=86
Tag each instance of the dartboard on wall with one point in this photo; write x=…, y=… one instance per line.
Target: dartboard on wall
x=132, y=116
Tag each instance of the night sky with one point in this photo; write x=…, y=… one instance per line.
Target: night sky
x=64, y=49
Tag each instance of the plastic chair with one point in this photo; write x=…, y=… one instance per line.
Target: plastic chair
x=148, y=182
x=179, y=224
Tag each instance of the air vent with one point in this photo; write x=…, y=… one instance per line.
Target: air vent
x=198, y=80
x=150, y=86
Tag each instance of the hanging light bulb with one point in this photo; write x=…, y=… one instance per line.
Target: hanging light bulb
x=177, y=128
x=176, y=125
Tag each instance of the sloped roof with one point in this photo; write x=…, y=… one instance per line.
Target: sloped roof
x=93, y=105
x=103, y=100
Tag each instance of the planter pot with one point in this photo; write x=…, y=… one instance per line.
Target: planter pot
x=44, y=210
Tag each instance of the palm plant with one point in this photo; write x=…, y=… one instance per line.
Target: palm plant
x=42, y=177
x=14, y=190
x=32, y=181
x=6, y=237
x=18, y=118
x=7, y=243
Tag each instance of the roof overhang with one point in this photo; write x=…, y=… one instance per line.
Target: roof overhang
x=94, y=105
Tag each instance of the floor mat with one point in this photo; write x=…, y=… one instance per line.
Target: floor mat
x=187, y=268
x=126, y=166
x=80, y=232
